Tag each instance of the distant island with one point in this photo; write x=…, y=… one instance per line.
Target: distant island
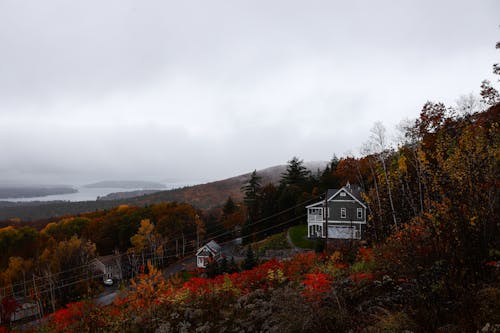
x=126, y=195
x=33, y=191
x=126, y=184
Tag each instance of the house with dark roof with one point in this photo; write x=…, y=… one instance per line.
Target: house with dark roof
x=344, y=218
x=209, y=251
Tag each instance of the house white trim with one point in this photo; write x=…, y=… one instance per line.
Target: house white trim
x=346, y=222
x=350, y=194
x=315, y=204
x=207, y=251
x=348, y=227
x=343, y=232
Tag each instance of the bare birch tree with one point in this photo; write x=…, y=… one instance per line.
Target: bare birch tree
x=378, y=144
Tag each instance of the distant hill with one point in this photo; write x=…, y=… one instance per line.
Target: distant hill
x=126, y=194
x=126, y=184
x=203, y=196
x=216, y=193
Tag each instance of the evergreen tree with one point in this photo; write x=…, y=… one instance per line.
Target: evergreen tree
x=252, y=194
x=268, y=200
x=229, y=207
x=223, y=266
x=296, y=173
x=233, y=266
x=250, y=261
x=213, y=223
x=252, y=202
x=319, y=245
x=212, y=268
x=329, y=178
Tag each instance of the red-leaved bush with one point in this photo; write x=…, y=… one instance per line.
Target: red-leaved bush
x=316, y=284
x=68, y=316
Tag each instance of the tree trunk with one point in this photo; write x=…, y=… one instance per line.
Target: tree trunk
x=375, y=183
x=183, y=245
x=393, y=212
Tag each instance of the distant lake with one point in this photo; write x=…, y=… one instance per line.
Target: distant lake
x=91, y=194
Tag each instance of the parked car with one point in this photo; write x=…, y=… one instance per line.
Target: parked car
x=108, y=282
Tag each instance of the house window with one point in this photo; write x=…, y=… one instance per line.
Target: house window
x=342, y=213
x=360, y=213
x=342, y=194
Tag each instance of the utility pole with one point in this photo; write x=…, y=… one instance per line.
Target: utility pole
x=325, y=215
x=352, y=230
x=37, y=297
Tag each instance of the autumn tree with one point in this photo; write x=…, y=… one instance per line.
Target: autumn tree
x=65, y=267
x=16, y=273
x=496, y=66
x=66, y=228
x=489, y=94
x=146, y=241
x=145, y=296
x=14, y=241
x=180, y=225
x=379, y=146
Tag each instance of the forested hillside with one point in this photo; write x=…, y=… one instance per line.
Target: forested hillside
x=203, y=196
x=431, y=263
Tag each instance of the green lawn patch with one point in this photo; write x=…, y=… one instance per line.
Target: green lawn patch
x=274, y=242
x=298, y=235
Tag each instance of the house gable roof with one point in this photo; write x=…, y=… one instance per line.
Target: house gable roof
x=107, y=260
x=355, y=194
x=211, y=247
x=204, y=253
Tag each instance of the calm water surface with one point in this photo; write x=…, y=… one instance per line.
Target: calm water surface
x=91, y=194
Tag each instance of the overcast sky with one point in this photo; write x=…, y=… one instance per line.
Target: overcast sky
x=203, y=90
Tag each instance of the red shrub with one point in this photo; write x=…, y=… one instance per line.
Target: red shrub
x=300, y=264
x=316, y=284
x=66, y=317
x=366, y=254
x=361, y=276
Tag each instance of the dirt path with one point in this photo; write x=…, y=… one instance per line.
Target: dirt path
x=289, y=240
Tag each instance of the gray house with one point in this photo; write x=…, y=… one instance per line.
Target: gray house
x=108, y=266
x=345, y=216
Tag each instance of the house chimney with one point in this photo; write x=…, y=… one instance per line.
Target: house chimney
x=348, y=186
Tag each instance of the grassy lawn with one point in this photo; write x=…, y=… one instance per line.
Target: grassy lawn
x=298, y=235
x=274, y=242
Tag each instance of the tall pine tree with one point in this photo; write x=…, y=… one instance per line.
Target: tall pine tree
x=296, y=173
x=252, y=193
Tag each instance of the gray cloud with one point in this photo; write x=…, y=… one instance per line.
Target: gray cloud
x=202, y=90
